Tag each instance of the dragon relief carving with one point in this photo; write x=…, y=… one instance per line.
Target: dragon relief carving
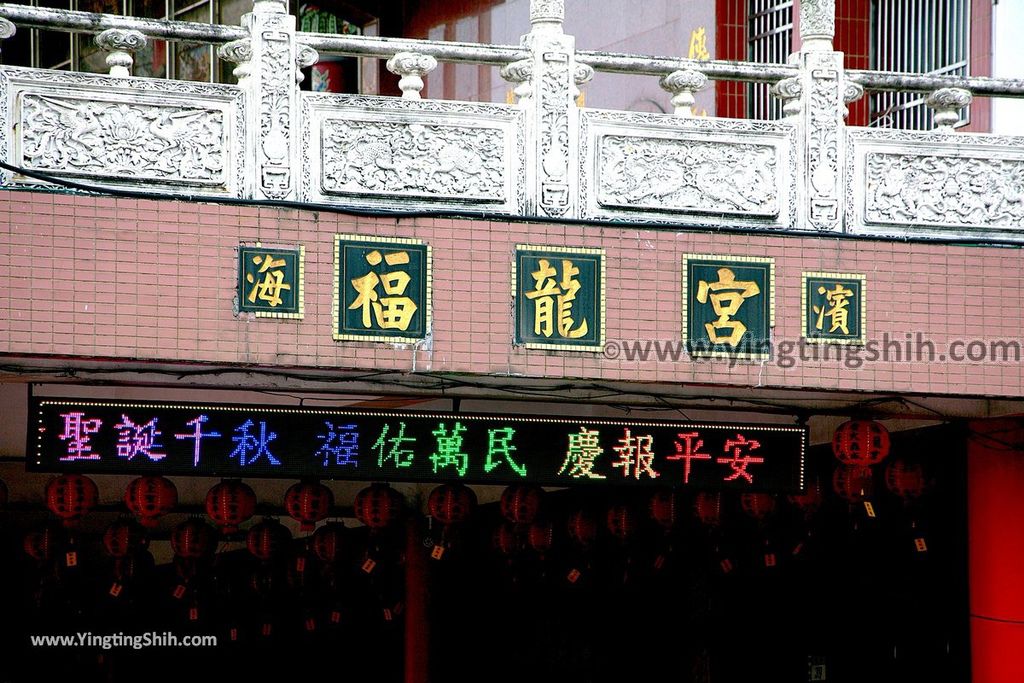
x=944, y=190
x=116, y=140
x=686, y=175
x=418, y=159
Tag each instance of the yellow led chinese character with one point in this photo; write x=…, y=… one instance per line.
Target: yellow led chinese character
x=553, y=300
x=839, y=313
x=270, y=287
x=727, y=296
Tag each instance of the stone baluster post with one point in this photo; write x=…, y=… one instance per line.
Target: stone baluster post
x=947, y=103
x=120, y=44
x=552, y=115
x=411, y=67
x=684, y=85
x=822, y=90
x=7, y=29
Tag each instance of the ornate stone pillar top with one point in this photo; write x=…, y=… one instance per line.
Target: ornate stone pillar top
x=7, y=28
x=270, y=6
x=547, y=15
x=120, y=43
x=817, y=25
x=947, y=103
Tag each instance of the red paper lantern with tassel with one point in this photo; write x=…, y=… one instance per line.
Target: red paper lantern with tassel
x=621, y=522
x=853, y=484
x=905, y=480
x=267, y=539
x=860, y=443
x=520, y=503
x=378, y=505
x=808, y=502
x=582, y=528
x=664, y=508
x=451, y=503
x=758, y=506
x=193, y=539
x=308, y=502
x=329, y=541
x=70, y=496
x=229, y=504
x=541, y=537
x=149, y=498
x=122, y=538
x=42, y=544
x=506, y=540
x=708, y=508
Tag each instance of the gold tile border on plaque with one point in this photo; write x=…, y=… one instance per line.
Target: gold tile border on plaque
x=860, y=341
x=336, y=310
x=599, y=347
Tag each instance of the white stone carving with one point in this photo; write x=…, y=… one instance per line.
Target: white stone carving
x=817, y=24
x=304, y=56
x=951, y=190
x=520, y=73
x=683, y=85
x=547, y=11
x=7, y=29
x=238, y=52
x=412, y=67
x=851, y=93
x=699, y=172
x=789, y=90
x=372, y=151
x=109, y=139
x=947, y=103
x=687, y=175
x=120, y=43
x=823, y=119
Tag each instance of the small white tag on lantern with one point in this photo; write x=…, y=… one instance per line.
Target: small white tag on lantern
x=387, y=614
x=659, y=562
x=869, y=509
x=71, y=559
x=300, y=564
x=438, y=552
x=769, y=559
x=310, y=623
x=233, y=634
x=574, y=575
x=335, y=617
x=178, y=592
x=920, y=545
x=726, y=565
x=193, y=614
x=369, y=565
x=115, y=589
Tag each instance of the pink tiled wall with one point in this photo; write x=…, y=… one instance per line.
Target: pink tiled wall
x=127, y=279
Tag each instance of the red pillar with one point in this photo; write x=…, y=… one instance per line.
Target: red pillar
x=995, y=510
x=417, y=624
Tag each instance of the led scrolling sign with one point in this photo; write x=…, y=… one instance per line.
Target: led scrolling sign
x=267, y=441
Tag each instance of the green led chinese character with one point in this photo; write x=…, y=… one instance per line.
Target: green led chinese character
x=402, y=457
x=449, y=449
x=499, y=443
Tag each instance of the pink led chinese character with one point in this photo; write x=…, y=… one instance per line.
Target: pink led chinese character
x=635, y=455
x=76, y=433
x=133, y=439
x=689, y=451
x=739, y=461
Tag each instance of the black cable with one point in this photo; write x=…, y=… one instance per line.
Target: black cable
x=481, y=215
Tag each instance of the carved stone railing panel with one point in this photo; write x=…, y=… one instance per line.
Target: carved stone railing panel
x=383, y=152
x=692, y=171
x=935, y=185
x=172, y=135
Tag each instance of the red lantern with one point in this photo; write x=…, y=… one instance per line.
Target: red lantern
x=41, y=544
x=904, y=479
x=859, y=443
x=308, y=502
x=267, y=539
x=541, y=536
x=229, y=504
x=122, y=538
x=582, y=528
x=664, y=508
x=328, y=541
x=378, y=505
x=708, y=508
x=193, y=539
x=451, y=503
x=621, y=521
x=506, y=540
x=853, y=484
x=70, y=496
x=758, y=505
x=810, y=500
x=150, y=498
x=520, y=503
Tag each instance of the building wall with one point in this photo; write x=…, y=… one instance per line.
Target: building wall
x=100, y=277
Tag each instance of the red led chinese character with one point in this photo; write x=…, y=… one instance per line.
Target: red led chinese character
x=739, y=461
x=688, y=451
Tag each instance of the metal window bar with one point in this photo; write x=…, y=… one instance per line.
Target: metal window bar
x=917, y=36
x=770, y=37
